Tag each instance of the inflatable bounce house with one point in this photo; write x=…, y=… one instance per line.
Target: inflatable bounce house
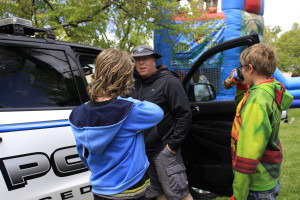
x=238, y=18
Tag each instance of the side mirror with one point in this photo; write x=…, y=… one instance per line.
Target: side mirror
x=204, y=92
x=88, y=70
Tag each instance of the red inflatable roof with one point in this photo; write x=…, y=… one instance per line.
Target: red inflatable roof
x=212, y=14
x=204, y=17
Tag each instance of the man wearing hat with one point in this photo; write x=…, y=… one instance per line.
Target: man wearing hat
x=159, y=85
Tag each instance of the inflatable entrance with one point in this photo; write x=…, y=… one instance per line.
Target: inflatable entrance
x=238, y=18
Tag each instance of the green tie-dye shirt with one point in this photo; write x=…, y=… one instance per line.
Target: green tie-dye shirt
x=256, y=149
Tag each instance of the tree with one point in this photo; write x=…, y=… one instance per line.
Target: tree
x=288, y=50
x=271, y=34
x=105, y=23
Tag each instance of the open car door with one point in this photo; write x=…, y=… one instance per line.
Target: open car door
x=206, y=152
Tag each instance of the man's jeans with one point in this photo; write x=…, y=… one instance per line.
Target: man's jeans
x=265, y=195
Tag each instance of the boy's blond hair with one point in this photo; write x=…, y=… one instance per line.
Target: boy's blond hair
x=113, y=74
x=262, y=57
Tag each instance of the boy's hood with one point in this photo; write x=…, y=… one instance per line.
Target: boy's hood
x=96, y=127
x=277, y=91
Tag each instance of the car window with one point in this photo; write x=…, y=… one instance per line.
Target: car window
x=31, y=77
x=209, y=72
x=213, y=71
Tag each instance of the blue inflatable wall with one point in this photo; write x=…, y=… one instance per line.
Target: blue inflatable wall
x=239, y=18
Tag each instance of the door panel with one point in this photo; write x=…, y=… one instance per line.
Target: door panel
x=38, y=157
x=207, y=155
x=206, y=152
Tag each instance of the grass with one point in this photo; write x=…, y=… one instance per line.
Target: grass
x=290, y=174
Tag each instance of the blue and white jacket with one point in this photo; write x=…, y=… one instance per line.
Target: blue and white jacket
x=110, y=141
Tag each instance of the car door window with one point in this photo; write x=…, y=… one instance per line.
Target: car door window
x=208, y=73
x=32, y=77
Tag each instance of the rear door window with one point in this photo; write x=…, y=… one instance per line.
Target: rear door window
x=33, y=77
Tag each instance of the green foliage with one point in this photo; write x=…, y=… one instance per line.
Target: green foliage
x=271, y=34
x=106, y=23
x=288, y=46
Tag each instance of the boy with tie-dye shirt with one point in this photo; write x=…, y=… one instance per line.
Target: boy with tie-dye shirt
x=255, y=145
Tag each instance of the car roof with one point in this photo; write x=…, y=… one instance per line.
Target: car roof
x=25, y=39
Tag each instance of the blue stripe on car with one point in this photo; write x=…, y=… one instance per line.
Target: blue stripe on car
x=33, y=125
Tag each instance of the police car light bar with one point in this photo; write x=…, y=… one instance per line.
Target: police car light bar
x=15, y=20
x=23, y=27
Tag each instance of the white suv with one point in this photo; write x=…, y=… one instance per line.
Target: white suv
x=41, y=80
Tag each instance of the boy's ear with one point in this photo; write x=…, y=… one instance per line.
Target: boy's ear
x=251, y=68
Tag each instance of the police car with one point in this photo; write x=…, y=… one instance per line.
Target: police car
x=42, y=79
